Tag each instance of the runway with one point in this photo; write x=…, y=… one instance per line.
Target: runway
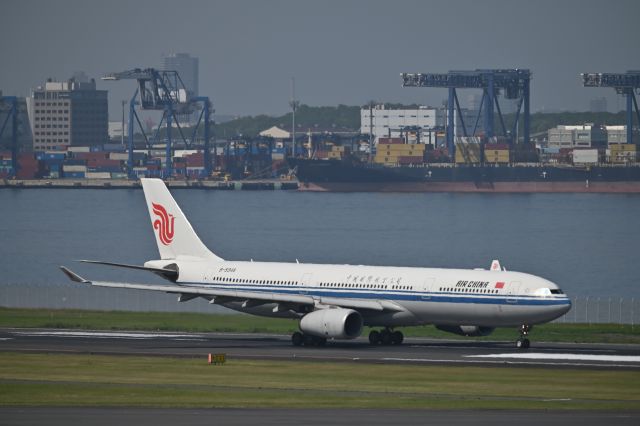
x=279, y=347
x=53, y=416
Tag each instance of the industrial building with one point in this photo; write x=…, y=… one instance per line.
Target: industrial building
x=70, y=113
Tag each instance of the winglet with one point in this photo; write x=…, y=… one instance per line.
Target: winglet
x=73, y=276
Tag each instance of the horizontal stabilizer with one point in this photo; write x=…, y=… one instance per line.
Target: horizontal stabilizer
x=73, y=276
x=168, y=273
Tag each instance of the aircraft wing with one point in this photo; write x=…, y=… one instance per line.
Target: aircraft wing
x=248, y=297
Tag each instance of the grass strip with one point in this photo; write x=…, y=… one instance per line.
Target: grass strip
x=99, y=380
x=240, y=323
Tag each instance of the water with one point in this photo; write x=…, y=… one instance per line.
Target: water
x=587, y=243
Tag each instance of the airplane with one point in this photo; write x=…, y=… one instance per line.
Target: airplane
x=337, y=301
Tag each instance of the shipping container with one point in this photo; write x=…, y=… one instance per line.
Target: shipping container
x=98, y=175
x=120, y=156
x=74, y=175
x=104, y=169
x=73, y=168
x=410, y=160
x=585, y=156
x=79, y=149
x=390, y=140
x=113, y=147
x=91, y=155
x=74, y=162
x=103, y=162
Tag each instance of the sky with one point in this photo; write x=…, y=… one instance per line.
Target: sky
x=340, y=51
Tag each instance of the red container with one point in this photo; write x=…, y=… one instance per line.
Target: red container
x=103, y=162
x=91, y=155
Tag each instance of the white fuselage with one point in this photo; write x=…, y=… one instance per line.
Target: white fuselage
x=421, y=295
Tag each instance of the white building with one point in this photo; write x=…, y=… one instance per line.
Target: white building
x=68, y=113
x=383, y=122
x=116, y=131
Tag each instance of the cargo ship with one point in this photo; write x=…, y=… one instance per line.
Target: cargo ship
x=406, y=169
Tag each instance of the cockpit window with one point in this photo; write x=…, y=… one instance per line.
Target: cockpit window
x=556, y=291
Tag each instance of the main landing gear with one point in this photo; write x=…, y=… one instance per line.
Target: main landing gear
x=386, y=337
x=299, y=339
x=523, y=342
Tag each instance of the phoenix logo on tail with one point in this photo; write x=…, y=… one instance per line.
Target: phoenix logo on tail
x=164, y=224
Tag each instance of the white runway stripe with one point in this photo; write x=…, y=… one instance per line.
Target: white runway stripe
x=561, y=356
x=110, y=335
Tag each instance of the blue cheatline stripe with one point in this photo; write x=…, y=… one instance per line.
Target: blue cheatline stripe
x=407, y=295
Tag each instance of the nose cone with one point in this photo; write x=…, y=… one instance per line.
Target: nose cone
x=559, y=309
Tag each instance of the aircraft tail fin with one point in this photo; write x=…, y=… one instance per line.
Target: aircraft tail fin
x=174, y=235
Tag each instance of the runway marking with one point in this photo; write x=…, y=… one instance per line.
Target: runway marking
x=505, y=362
x=111, y=335
x=6, y=338
x=562, y=356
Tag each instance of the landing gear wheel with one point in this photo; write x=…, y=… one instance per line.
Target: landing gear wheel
x=523, y=344
x=374, y=337
x=397, y=337
x=297, y=338
x=320, y=341
x=308, y=340
x=385, y=337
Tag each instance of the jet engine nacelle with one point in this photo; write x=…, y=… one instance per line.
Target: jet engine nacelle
x=466, y=330
x=333, y=323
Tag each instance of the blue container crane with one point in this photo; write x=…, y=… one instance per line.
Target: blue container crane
x=164, y=91
x=513, y=83
x=626, y=84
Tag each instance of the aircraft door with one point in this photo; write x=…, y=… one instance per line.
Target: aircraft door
x=306, y=282
x=512, y=291
x=428, y=286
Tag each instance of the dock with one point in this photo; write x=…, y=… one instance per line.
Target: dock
x=238, y=185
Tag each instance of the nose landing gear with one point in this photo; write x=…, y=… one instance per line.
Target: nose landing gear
x=523, y=342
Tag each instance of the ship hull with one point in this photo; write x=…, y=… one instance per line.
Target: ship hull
x=343, y=176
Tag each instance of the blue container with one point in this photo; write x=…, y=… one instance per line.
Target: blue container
x=74, y=175
x=75, y=162
x=53, y=161
x=105, y=169
x=113, y=147
x=54, y=156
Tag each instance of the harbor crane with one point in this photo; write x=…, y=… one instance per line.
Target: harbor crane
x=165, y=91
x=12, y=114
x=512, y=83
x=626, y=84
